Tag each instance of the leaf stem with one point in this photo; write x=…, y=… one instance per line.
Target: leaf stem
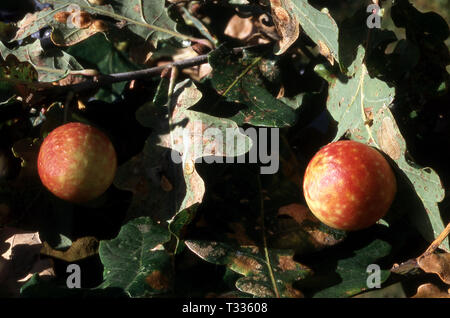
x=263, y=229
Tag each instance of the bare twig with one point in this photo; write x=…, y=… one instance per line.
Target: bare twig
x=105, y=80
x=413, y=264
x=437, y=242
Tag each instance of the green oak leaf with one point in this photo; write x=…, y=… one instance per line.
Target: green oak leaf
x=99, y=51
x=136, y=260
x=350, y=273
x=241, y=81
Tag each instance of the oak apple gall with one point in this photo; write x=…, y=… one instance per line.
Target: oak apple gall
x=349, y=185
x=77, y=162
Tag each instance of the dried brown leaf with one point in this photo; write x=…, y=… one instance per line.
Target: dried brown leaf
x=438, y=264
x=80, y=249
x=20, y=259
x=239, y=28
x=431, y=291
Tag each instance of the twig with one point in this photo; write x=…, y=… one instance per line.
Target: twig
x=413, y=264
x=105, y=80
x=437, y=242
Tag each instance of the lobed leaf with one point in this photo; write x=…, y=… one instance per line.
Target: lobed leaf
x=162, y=186
x=146, y=19
x=136, y=260
x=51, y=65
x=241, y=81
x=259, y=275
x=352, y=275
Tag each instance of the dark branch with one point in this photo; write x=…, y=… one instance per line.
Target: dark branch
x=105, y=80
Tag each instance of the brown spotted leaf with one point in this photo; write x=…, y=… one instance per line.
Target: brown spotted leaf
x=286, y=24
x=438, y=264
x=318, y=25
x=262, y=278
x=360, y=106
x=33, y=22
x=136, y=260
x=51, y=66
x=148, y=20
x=70, y=24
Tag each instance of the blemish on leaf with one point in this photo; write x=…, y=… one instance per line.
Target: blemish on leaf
x=387, y=138
x=287, y=26
x=246, y=265
x=325, y=51
x=275, y=3
x=286, y=263
x=189, y=167
x=254, y=288
x=157, y=280
x=61, y=17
